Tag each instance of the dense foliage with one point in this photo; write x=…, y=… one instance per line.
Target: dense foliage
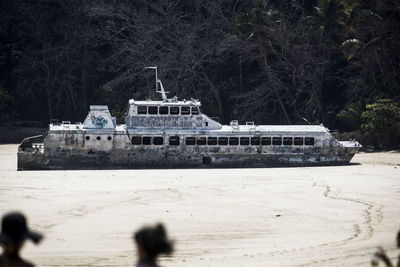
x=268, y=61
x=382, y=123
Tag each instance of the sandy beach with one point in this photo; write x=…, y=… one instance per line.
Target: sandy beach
x=309, y=216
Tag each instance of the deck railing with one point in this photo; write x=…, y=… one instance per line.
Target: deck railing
x=32, y=144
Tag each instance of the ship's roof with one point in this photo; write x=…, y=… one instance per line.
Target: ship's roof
x=244, y=129
x=166, y=103
x=276, y=128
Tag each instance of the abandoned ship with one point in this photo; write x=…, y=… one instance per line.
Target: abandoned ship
x=176, y=134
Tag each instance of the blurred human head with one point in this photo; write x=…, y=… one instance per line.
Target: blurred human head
x=14, y=231
x=152, y=241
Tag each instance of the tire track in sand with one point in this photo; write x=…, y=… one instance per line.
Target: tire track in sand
x=370, y=211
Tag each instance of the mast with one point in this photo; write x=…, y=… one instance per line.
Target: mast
x=161, y=91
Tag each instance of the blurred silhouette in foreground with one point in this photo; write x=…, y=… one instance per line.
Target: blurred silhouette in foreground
x=380, y=254
x=14, y=232
x=150, y=243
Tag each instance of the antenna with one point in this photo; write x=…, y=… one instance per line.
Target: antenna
x=154, y=68
x=162, y=91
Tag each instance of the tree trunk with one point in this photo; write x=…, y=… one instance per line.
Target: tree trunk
x=272, y=80
x=216, y=93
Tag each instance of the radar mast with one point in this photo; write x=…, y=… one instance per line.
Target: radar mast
x=161, y=91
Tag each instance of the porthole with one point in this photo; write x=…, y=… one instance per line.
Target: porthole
x=287, y=141
x=146, y=140
x=201, y=141
x=277, y=141
x=244, y=141
x=87, y=137
x=233, y=141
x=266, y=141
x=158, y=140
x=309, y=141
x=212, y=141
x=136, y=140
x=163, y=110
x=222, y=141
x=98, y=138
x=190, y=141
x=174, y=110
x=174, y=140
x=109, y=138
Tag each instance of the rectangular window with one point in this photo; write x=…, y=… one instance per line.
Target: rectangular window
x=233, y=141
x=190, y=141
x=136, y=140
x=158, y=140
x=195, y=111
x=174, y=140
x=222, y=141
x=174, y=110
x=146, y=140
x=277, y=141
x=163, y=110
x=212, y=141
x=201, y=141
x=287, y=141
x=309, y=141
x=244, y=141
x=266, y=141
x=185, y=110
x=298, y=141
x=255, y=141
x=142, y=109
x=153, y=110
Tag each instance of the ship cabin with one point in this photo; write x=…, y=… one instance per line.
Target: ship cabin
x=171, y=114
x=248, y=138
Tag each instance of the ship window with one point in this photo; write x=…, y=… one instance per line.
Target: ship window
x=153, y=110
x=163, y=110
x=287, y=141
x=98, y=138
x=190, y=141
x=212, y=141
x=158, y=140
x=87, y=137
x=146, y=140
x=233, y=141
x=174, y=140
x=142, y=109
x=174, y=110
x=195, y=111
x=244, y=141
x=185, y=110
x=222, y=141
x=109, y=138
x=255, y=141
x=201, y=141
x=298, y=141
x=277, y=141
x=309, y=141
x=266, y=141
x=136, y=140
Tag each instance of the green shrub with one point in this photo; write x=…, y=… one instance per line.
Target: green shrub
x=381, y=123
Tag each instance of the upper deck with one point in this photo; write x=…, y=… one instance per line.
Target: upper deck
x=168, y=114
